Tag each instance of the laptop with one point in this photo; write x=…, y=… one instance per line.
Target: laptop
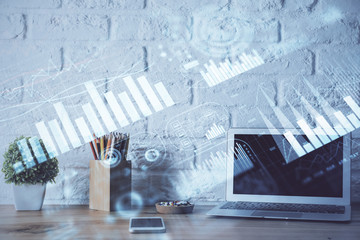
x=281, y=174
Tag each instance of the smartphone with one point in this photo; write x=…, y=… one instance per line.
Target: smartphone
x=147, y=225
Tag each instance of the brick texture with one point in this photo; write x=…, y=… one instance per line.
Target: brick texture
x=12, y=26
x=50, y=48
x=69, y=27
x=35, y=4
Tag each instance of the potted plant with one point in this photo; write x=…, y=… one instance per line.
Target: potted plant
x=29, y=184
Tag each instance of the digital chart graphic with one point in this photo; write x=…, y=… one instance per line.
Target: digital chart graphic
x=147, y=151
x=329, y=127
x=226, y=70
x=215, y=131
x=213, y=73
x=158, y=101
x=262, y=168
x=179, y=89
x=191, y=127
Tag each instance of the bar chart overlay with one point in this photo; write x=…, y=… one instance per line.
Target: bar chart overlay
x=141, y=99
x=225, y=70
x=322, y=134
x=215, y=131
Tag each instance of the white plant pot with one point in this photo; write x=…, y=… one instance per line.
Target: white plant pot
x=29, y=196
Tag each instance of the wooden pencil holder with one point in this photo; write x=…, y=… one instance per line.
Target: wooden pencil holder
x=110, y=187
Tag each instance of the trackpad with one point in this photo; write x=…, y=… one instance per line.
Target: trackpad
x=276, y=214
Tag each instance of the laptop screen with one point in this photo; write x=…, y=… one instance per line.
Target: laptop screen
x=268, y=165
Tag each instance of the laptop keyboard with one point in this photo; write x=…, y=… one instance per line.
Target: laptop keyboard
x=288, y=207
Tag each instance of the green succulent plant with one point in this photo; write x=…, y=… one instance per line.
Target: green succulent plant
x=40, y=173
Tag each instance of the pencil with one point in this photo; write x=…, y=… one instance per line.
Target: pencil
x=127, y=143
x=97, y=150
x=102, y=147
x=112, y=146
x=93, y=150
x=120, y=144
x=107, y=146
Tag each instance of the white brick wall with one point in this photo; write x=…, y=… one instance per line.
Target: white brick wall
x=12, y=26
x=58, y=27
x=74, y=41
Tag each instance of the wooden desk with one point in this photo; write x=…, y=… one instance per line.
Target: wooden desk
x=78, y=222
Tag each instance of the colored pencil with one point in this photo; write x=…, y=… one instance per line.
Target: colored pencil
x=107, y=146
x=127, y=144
x=96, y=146
x=112, y=146
x=102, y=147
x=93, y=150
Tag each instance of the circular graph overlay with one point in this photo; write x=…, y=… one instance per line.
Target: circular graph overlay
x=220, y=33
x=129, y=205
x=147, y=150
x=112, y=158
x=152, y=155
